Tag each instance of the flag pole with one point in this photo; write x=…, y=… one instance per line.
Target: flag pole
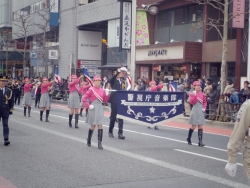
x=105, y=42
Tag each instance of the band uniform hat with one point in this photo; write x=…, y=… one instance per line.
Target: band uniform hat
x=97, y=78
x=3, y=78
x=45, y=79
x=196, y=83
x=152, y=82
x=73, y=76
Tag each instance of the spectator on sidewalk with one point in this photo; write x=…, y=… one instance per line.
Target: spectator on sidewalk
x=212, y=102
x=244, y=94
x=227, y=94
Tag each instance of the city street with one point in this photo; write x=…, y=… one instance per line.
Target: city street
x=52, y=155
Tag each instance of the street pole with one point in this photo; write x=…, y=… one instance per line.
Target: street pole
x=133, y=42
x=248, y=56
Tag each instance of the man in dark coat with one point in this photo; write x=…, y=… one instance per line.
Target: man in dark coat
x=6, y=107
x=116, y=83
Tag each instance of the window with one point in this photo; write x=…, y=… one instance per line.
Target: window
x=37, y=6
x=163, y=19
x=32, y=8
x=43, y=4
x=25, y=11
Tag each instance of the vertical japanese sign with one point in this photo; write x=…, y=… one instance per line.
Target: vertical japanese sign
x=126, y=21
x=238, y=11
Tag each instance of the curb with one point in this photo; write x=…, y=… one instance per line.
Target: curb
x=216, y=124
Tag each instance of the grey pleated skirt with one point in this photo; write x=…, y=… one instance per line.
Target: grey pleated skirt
x=74, y=100
x=196, y=115
x=44, y=101
x=27, y=100
x=96, y=115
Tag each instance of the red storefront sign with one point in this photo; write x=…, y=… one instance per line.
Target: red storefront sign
x=20, y=45
x=157, y=68
x=184, y=67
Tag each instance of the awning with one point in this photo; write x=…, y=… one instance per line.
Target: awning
x=112, y=66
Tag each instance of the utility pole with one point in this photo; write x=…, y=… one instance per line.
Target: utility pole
x=133, y=42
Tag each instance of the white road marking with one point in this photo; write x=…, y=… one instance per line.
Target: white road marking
x=145, y=134
x=205, y=156
x=177, y=168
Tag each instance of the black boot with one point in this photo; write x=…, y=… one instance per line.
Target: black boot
x=81, y=112
x=29, y=109
x=87, y=110
x=70, y=120
x=200, y=134
x=190, y=132
x=76, y=120
x=24, y=112
x=47, y=115
x=100, y=133
x=41, y=115
x=89, y=137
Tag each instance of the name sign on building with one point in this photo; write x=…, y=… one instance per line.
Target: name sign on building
x=126, y=22
x=238, y=20
x=170, y=52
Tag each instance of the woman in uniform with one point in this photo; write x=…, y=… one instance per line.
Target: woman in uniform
x=45, y=100
x=73, y=102
x=83, y=89
x=199, y=102
x=96, y=96
x=27, y=96
x=153, y=87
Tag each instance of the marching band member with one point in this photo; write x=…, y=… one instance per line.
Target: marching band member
x=241, y=133
x=45, y=100
x=83, y=89
x=6, y=107
x=27, y=100
x=73, y=102
x=199, y=102
x=154, y=88
x=116, y=83
x=97, y=96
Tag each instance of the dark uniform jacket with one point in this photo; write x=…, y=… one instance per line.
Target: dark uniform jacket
x=116, y=84
x=6, y=103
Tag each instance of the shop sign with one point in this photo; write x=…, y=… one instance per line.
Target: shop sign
x=157, y=52
x=184, y=67
x=239, y=14
x=157, y=68
x=126, y=19
x=89, y=45
x=160, y=53
x=144, y=72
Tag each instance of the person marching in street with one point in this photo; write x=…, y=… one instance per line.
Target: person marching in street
x=241, y=133
x=6, y=107
x=96, y=96
x=154, y=88
x=45, y=100
x=198, y=100
x=73, y=103
x=38, y=94
x=18, y=92
x=116, y=83
x=27, y=100
x=83, y=89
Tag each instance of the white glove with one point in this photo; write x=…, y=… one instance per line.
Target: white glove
x=194, y=92
x=203, y=110
x=91, y=107
x=231, y=169
x=107, y=92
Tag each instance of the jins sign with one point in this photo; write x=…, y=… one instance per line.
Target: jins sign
x=157, y=52
x=238, y=13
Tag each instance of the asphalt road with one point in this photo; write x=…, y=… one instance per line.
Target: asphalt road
x=52, y=155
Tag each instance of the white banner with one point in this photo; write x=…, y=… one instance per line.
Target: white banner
x=126, y=25
x=89, y=45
